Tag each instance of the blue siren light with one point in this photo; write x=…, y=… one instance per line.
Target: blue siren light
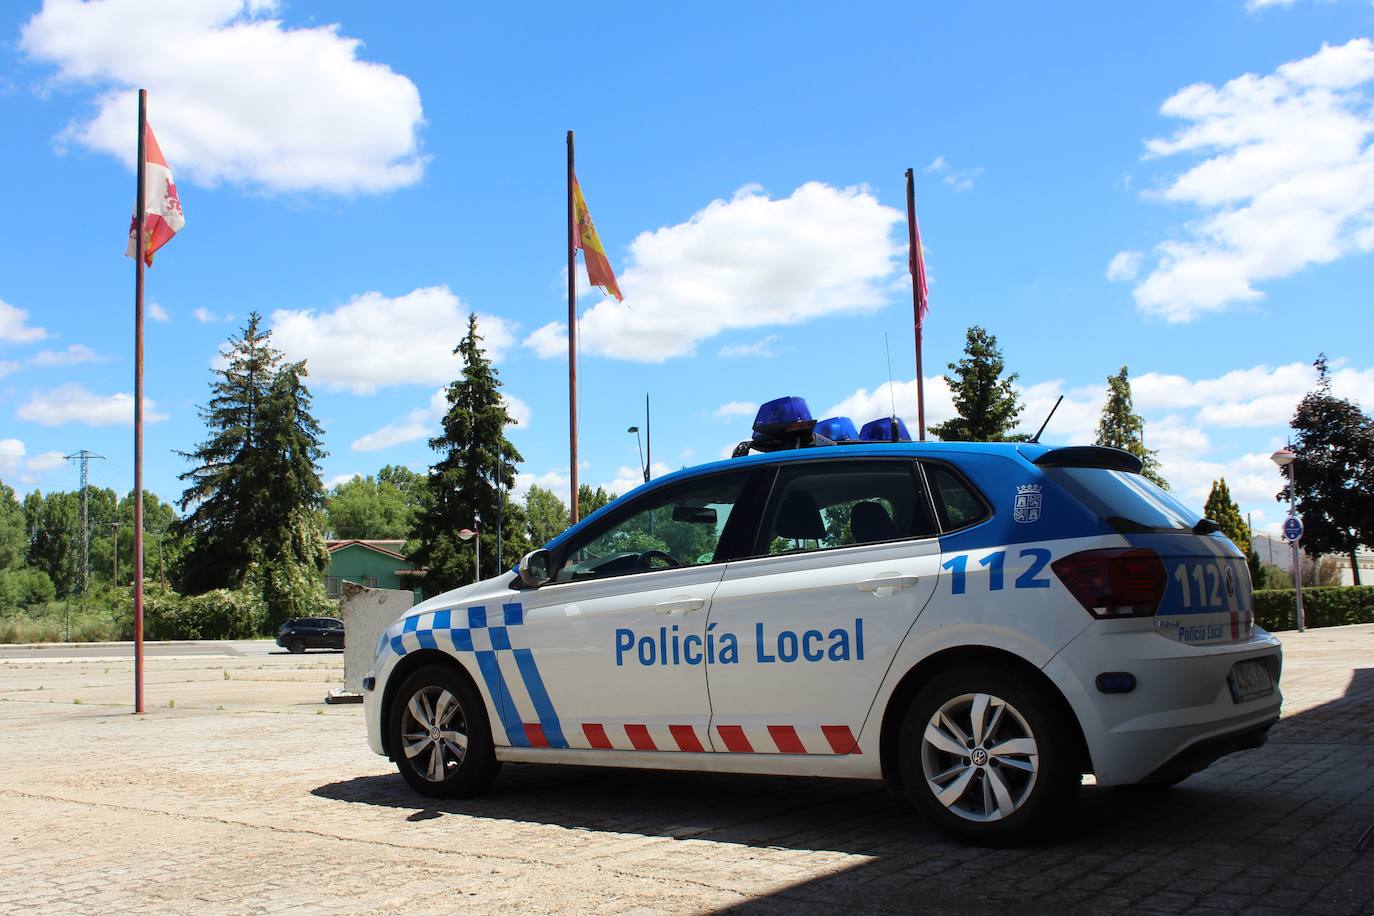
x=883, y=429
x=837, y=429
x=783, y=415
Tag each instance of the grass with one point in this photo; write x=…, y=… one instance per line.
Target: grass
x=49, y=623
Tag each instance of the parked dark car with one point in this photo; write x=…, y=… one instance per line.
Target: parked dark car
x=301, y=633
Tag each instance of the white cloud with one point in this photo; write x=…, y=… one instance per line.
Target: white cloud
x=337, y=479
x=1125, y=265
x=963, y=179
x=1287, y=182
x=158, y=313
x=8, y=366
x=376, y=340
x=736, y=409
x=748, y=262
x=204, y=315
x=1258, y=396
x=557, y=482
x=72, y=356
x=72, y=403
x=938, y=164
x=15, y=327
x=46, y=461
x=627, y=478
x=760, y=349
x=235, y=97
x=423, y=423
x=862, y=406
x=1261, y=4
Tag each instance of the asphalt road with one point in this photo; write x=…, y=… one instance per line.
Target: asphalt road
x=237, y=648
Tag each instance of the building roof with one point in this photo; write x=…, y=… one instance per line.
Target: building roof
x=391, y=548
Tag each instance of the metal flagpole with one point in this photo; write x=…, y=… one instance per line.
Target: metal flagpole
x=572, y=335
x=139, y=241
x=915, y=301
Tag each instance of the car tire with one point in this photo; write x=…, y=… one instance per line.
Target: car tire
x=296, y=646
x=1016, y=770
x=437, y=711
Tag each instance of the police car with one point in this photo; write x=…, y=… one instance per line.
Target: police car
x=977, y=624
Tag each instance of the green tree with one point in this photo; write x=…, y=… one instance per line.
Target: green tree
x=1222, y=510
x=255, y=496
x=477, y=462
x=589, y=500
x=545, y=514
x=384, y=506
x=1334, y=483
x=14, y=538
x=226, y=495
x=986, y=402
x=54, y=525
x=1121, y=427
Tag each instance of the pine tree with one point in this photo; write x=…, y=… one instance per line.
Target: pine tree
x=1334, y=442
x=477, y=461
x=1121, y=427
x=224, y=495
x=255, y=495
x=986, y=403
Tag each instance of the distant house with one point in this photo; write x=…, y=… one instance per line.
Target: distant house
x=376, y=564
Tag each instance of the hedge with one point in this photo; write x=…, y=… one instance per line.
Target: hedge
x=1324, y=606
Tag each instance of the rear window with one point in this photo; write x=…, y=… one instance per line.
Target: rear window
x=1128, y=502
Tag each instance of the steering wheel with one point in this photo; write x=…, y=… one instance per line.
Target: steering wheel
x=647, y=557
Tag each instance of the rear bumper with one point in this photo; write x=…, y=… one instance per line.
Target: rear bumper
x=1202, y=754
x=1180, y=717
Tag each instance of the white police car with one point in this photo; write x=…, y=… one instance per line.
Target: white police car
x=977, y=624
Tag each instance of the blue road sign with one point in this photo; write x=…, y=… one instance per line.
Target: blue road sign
x=1292, y=528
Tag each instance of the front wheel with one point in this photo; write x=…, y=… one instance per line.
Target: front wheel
x=296, y=646
x=440, y=738
x=987, y=756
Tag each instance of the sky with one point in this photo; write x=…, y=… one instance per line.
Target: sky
x=1185, y=189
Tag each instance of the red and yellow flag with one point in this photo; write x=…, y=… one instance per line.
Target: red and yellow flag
x=599, y=271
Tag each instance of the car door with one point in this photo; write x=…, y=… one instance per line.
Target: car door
x=618, y=639
x=334, y=633
x=845, y=559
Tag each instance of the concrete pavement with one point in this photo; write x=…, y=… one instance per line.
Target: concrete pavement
x=241, y=792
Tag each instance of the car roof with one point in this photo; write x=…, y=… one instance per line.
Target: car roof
x=1027, y=451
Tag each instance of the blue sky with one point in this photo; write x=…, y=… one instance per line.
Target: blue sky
x=1186, y=189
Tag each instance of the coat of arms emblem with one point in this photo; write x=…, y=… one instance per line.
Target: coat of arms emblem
x=1028, y=503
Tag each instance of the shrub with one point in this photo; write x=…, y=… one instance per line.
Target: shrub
x=219, y=614
x=1323, y=606
x=24, y=588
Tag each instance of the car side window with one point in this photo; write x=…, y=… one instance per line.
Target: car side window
x=677, y=525
x=955, y=501
x=843, y=503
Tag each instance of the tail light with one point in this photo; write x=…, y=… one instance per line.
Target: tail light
x=1113, y=583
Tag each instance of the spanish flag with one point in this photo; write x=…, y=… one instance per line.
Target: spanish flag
x=599, y=271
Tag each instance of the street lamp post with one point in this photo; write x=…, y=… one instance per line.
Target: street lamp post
x=469, y=534
x=645, y=457
x=1285, y=458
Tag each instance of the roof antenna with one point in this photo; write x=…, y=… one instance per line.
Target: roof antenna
x=1036, y=437
x=891, y=389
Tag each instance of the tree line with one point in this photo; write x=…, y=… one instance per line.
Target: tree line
x=250, y=538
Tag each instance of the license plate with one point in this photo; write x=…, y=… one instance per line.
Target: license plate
x=1250, y=680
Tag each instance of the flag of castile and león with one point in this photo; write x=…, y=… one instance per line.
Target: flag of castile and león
x=599, y=271
x=162, y=217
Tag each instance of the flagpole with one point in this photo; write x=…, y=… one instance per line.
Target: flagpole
x=139, y=241
x=915, y=301
x=572, y=336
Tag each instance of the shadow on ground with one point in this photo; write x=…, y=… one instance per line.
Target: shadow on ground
x=1275, y=827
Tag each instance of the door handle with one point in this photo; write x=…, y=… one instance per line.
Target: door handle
x=680, y=605
x=892, y=583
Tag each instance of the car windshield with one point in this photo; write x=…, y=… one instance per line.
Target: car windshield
x=1129, y=502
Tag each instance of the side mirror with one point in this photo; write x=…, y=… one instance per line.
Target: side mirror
x=534, y=568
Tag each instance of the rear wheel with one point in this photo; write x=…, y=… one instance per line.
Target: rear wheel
x=440, y=736
x=296, y=646
x=987, y=756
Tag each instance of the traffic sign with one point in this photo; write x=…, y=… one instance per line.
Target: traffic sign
x=1292, y=528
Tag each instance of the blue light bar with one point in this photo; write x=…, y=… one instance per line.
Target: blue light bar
x=783, y=415
x=837, y=429
x=881, y=430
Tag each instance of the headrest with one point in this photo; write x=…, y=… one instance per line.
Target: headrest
x=799, y=518
x=870, y=522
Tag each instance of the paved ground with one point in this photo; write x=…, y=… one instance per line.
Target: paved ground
x=241, y=792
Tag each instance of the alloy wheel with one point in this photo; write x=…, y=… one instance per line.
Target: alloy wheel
x=434, y=733
x=979, y=757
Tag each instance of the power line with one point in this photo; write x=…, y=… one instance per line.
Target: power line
x=84, y=458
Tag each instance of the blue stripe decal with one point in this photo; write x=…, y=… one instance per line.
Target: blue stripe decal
x=543, y=706
x=426, y=638
x=514, y=614
x=442, y=619
x=505, y=705
x=477, y=616
x=462, y=639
